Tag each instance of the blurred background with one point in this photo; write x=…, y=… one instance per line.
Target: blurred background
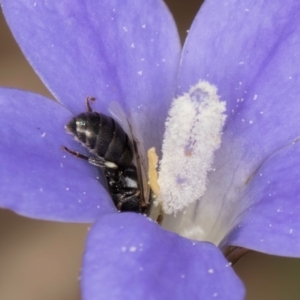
x=41, y=260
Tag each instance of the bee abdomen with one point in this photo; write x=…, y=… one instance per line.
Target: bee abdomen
x=103, y=136
x=120, y=149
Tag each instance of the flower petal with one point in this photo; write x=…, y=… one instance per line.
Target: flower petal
x=129, y=257
x=248, y=50
x=127, y=52
x=271, y=221
x=257, y=91
x=253, y=68
x=38, y=179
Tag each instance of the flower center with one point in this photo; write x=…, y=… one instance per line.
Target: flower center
x=193, y=134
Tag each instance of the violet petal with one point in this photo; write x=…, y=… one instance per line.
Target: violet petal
x=38, y=179
x=130, y=257
x=127, y=52
x=251, y=59
x=270, y=222
x=248, y=50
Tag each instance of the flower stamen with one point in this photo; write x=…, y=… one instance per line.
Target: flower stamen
x=193, y=133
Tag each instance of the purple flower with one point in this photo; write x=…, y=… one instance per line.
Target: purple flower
x=128, y=51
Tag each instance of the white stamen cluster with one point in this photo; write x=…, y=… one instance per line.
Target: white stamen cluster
x=193, y=133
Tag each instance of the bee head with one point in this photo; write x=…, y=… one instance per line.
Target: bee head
x=77, y=124
x=78, y=127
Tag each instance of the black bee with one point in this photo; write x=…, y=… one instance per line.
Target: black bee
x=115, y=153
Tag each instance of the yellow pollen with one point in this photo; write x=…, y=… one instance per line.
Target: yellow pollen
x=152, y=171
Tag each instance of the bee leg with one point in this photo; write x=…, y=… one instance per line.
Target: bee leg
x=159, y=219
x=97, y=161
x=77, y=154
x=87, y=101
x=101, y=162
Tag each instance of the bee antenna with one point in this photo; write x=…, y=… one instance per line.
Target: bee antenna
x=87, y=101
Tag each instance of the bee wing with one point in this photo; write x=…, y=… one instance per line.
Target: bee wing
x=140, y=157
x=119, y=115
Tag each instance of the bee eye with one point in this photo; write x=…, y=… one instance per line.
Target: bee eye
x=81, y=124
